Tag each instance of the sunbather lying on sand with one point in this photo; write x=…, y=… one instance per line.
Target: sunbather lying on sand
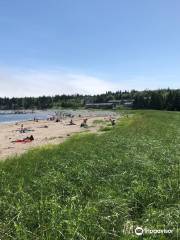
x=24, y=140
x=45, y=126
x=57, y=120
x=24, y=130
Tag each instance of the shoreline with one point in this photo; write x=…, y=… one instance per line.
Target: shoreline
x=7, y=118
x=44, y=132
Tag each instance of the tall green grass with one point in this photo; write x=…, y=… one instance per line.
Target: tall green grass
x=92, y=186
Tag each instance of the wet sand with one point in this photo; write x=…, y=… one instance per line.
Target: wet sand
x=55, y=133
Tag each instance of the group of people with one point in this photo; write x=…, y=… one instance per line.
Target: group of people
x=83, y=124
x=53, y=118
x=31, y=137
x=24, y=130
x=26, y=139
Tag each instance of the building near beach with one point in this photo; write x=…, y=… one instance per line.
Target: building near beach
x=111, y=104
x=122, y=102
x=100, y=105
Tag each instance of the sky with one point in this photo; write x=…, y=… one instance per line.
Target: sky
x=50, y=47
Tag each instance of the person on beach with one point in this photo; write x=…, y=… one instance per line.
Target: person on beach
x=24, y=140
x=51, y=118
x=84, y=123
x=45, y=126
x=110, y=118
x=113, y=122
x=71, y=122
x=22, y=130
x=31, y=138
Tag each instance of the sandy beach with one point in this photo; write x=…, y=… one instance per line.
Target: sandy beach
x=53, y=133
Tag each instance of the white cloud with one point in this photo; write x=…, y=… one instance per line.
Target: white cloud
x=19, y=83
x=37, y=83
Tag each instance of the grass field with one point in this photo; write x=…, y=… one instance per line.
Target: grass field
x=94, y=186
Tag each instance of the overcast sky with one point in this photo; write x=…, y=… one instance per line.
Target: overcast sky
x=54, y=47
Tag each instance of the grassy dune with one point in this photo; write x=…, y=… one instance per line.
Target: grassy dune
x=94, y=186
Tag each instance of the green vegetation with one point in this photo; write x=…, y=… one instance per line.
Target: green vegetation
x=98, y=121
x=92, y=186
x=104, y=125
x=105, y=128
x=166, y=99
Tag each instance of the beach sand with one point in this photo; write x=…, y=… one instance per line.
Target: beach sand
x=55, y=133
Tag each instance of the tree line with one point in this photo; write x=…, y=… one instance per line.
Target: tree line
x=161, y=99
